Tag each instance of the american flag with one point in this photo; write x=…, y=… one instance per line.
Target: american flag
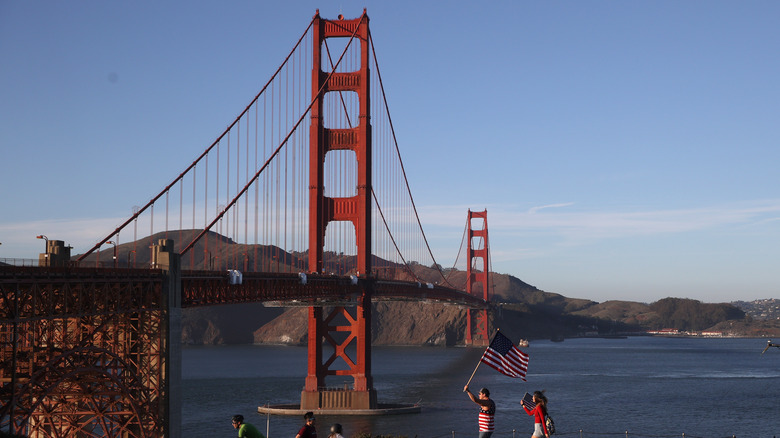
x=507, y=359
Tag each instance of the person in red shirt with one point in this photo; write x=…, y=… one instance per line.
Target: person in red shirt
x=539, y=412
x=308, y=430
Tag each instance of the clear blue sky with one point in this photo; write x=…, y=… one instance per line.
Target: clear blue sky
x=623, y=150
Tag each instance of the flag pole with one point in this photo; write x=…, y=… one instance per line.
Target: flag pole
x=480, y=361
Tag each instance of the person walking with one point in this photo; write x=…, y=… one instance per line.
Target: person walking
x=539, y=412
x=245, y=430
x=487, y=411
x=308, y=430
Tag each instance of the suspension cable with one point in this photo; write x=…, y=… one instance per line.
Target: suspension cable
x=278, y=148
x=398, y=152
x=181, y=175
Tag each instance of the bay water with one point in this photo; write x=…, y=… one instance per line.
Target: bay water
x=635, y=387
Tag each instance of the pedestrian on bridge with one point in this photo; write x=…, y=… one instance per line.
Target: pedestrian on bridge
x=245, y=430
x=308, y=430
x=487, y=411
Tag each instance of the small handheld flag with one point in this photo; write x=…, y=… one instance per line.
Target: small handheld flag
x=528, y=401
x=504, y=357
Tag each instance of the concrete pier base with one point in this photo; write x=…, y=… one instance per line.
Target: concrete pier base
x=337, y=398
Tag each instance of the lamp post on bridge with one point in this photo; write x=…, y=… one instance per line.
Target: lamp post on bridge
x=132, y=251
x=45, y=249
x=111, y=242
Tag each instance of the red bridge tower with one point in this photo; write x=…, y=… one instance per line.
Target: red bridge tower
x=356, y=209
x=477, y=249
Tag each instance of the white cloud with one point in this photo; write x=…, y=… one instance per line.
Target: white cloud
x=611, y=224
x=564, y=227
x=533, y=210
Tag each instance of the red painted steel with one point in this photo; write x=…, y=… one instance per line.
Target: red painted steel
x=65, y=333
x=481, y=276
x=82, y=352
x=206, y=288
x=356, y=209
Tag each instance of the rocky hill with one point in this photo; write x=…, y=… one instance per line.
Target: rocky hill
x=522, y=311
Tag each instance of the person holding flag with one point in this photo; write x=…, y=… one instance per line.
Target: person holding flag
x=503, y=356
x=506, y=358
x=487, y=411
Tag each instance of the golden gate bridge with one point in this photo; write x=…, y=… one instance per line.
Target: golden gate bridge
x=302, y=199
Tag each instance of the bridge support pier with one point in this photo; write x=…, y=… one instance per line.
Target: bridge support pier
x=477, y=249
x=98, y=350
x=340, y=329
x=164, y=257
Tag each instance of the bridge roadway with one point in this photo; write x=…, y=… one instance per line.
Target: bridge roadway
x=63, y=329
x=203, y=288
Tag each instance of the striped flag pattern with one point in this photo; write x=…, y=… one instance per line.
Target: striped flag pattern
x=504, y=357
x=485, y=421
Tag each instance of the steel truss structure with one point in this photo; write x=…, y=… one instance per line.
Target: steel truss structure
x=83, y=352
x=478, y=250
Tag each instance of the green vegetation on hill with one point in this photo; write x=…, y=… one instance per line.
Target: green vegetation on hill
x=693, y=315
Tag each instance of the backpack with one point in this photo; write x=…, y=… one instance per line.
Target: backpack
x=550, y=425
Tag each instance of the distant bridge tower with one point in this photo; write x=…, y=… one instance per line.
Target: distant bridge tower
x=477, y=249
x=356, y=209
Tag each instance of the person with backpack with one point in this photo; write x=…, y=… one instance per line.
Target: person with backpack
x=539, y=412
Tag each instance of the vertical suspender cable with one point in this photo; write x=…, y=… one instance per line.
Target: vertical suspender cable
x=166, y=213
x=278, y=184
x=286, y=150
x=181, y=175
x=401, y=166
x=257, y=191
x=246, y=201
x=194, y=174
x=216, y=208
x=151, y=229
x=237, y=211
x=265, y=184
x=225, y=233
x=206, y=254
x=271, y=177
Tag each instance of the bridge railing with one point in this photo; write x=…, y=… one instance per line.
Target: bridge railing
x=18, y=262
x=69, y=264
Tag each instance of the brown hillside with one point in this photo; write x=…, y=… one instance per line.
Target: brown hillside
x=521, y=310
